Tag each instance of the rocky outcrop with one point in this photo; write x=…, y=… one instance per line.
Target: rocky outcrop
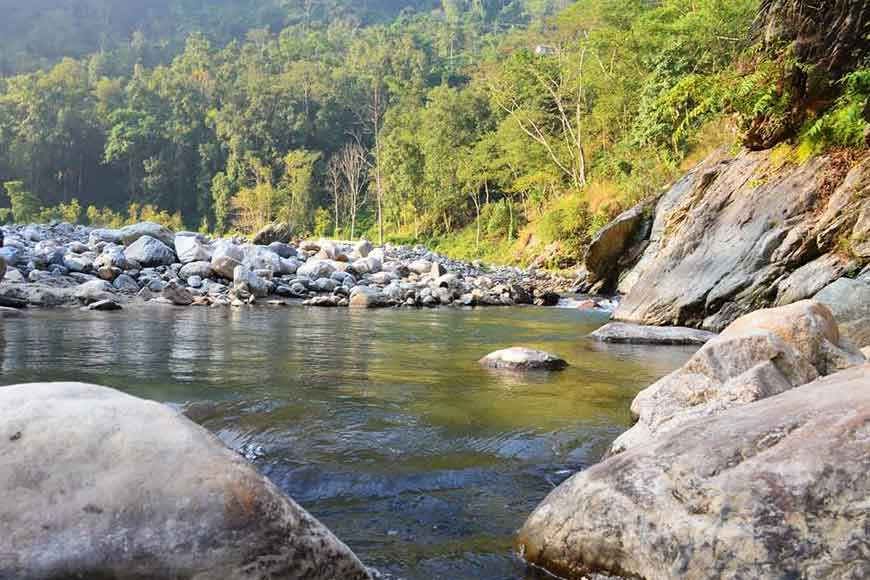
x=849, y=301
x=620, y=332
x=99, y=484
x=520, y=358
x=758, y=356
x=619, y=240
x=743, y=233
x=775, y=489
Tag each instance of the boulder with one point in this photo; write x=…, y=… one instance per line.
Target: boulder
x=262, y=258
x=611, y=242
x=129, y=234
x=105, y=306
x=191, y=248
x=176, y=294
x=245, y=279
x=363, y=248
x=225, y=258
x=420, y=267
x=759, y=355
x=99, y=484
x=275, y=232
x=149, y=251
x=849, y=301
x=105, y=235
x=112, y=256
x=775, y=489
x=315, y=269
x=520, y=358
x=621, y=332
x=126, y=284
x=283, y=250
x=812, y=277
x=370, y=265
x=94, y=291
x=365, y=297
x=201, y=269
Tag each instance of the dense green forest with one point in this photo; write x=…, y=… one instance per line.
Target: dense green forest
x=479, y=125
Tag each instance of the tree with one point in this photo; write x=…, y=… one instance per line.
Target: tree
x=354, y=170
x=25, y=205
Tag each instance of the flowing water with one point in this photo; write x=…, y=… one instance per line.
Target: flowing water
x=380, y=423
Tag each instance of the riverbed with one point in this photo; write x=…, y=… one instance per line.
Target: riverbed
x=380, y=423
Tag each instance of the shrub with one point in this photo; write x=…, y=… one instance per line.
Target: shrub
x=25, y=205
x=567, y=221
x=845, y=124
x=63, y=212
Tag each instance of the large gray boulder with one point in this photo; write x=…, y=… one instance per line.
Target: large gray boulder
x=99, y=484
x=245, y=279
x=276, y=232
x=94, y=291
x=759, y=355
x=730, y=242
x=149, y=251
x=130, y=234
x=612, y=241
x=191, y=248
x=849, y=301
x=315, y=269
x=225, y=258
x=775, y=489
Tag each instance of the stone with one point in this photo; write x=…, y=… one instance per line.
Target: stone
x=133, y=489
x=262, y=258
x=274, y=232
x=849, y=302
x=94, y=291
x=363, y=248
x=112, y=256
x=176, y=294
x=370, y=265
x=283, y=250
x=201, y=269
x=810, y=278
x=420, y=267
x=11, y=255
x=365, y=297
x=225, y=258
x=546, y=298
x=105, y=235
x=611, y=242
x=315, y=269
x=191, y=248
x=14, y=276
x=245, y=279
x=758, y=356
x=323, y=301
x=105, y=305
x=520, y=358
x=129, y=234
x=149, y=251
x=78, y=262
x=623, y=333
x=126, y=284
x=437, y=270
x=769, y=490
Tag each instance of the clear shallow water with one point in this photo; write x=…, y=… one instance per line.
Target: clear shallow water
x=380, y=423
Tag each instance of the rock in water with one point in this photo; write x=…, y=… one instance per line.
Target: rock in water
x=776, y=489
x=521, y=358
x=176, y=294
x=99, y=484
x=620, y=332
x=759, y=355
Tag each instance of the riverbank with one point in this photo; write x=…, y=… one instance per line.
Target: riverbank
x=65, y=265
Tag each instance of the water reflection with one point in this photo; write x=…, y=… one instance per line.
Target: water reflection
x=379, y=422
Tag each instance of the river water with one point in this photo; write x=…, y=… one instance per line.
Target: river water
x=380, y=423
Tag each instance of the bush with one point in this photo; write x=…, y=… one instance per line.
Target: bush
x=567, y=221
x=322, y=222
x=151, y=213
x=104, y=217
x=25, y=205
x=63, y=212
x=845, y=124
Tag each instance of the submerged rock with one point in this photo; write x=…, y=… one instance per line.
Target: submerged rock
x=522, y=358
x=99, y=484
x=621, y=332
x=775, y=489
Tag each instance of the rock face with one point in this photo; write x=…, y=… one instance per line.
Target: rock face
x=620, y=332
x=739, y=234
x=614, y=239
x=759, y=355
x=99, y=484
x=775, y=489
x=849, y=301
x=521, y=358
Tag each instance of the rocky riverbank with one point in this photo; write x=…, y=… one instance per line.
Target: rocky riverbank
x=66, y=265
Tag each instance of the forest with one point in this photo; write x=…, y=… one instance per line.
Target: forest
x=486, y=128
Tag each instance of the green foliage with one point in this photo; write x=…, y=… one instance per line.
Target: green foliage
x=322, y=222
x=63, y=212
x=104, y=217
x=567, y=221
x=846, y=123
x=25, y=205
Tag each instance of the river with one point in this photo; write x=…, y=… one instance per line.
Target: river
x=380, y=423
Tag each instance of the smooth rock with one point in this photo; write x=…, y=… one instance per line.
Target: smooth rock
x=126, y=284
x=225, y=258
x=365, y=297
x=621, y=332
x=849, y=301
x=245, y=279
x=201, y=269
x=105, y=305
x=775, y=489
x=176, y=294
x=363, y=248
x=94, y=291
x=149, y=251
x=190, y=248
x=522, y=358
x=274, y=232
x=315, y=269
x=129, y=234
x=99, y=484
x=610, y=243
